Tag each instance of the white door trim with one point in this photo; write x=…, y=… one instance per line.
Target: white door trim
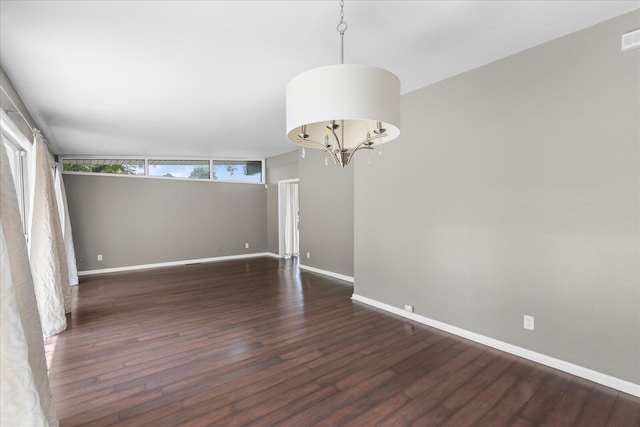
x=281, y=185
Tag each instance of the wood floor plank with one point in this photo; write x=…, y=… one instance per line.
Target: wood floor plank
x=431, y=396
x=569, y=405
x=444, y=369
x=253, y=342
x=372, y=415
x=439, y=410
x=333, y=404
x=597, y=409
x=299, y=405
x=545, y=399
x=626, y=411
x=511, y=403
x=482, y=402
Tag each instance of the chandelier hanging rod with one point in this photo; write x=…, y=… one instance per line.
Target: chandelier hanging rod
x=342, y=28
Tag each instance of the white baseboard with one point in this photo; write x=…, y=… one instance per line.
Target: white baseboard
x=577, y=370
x=327, y=273
x=171, y=263
x=272, y=255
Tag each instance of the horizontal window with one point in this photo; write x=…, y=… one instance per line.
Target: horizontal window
x=193, y=169
x=112, y=166
x=249, y=171
x=243, y=170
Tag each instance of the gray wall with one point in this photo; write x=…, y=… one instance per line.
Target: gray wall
x=326, y=209
x=282, y=167
x=136, y=221
x=514, y=189
x=326, y=214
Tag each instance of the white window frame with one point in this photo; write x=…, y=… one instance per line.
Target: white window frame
x=146, y=167
x=262, y=172
x=12, y=134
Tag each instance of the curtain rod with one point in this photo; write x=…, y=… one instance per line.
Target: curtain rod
x=17, y=108
x=33, y=130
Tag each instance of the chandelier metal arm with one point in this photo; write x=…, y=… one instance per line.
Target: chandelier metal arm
x=366, y=144
x=342, y=157
x=337, y=140
x=325, y=148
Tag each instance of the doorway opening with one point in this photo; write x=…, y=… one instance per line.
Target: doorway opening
x=289, y=218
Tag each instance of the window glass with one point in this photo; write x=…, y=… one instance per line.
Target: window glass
x=111, y=166
x=241, y=170
x=13, y=155
x=17, y=164
x=194, y=169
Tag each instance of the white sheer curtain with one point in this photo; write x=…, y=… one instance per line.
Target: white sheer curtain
x=291, y=203
x=65, y=222
x=25, y=395
x=46, y=247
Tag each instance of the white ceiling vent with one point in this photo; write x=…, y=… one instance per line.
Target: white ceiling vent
x=631, y=40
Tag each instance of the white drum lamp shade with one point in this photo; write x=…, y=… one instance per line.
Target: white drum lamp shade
x=362, y=103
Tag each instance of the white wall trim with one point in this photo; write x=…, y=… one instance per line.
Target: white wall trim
x=577, y=370
x=327, y=273
x=171, y=263
x=272, y=255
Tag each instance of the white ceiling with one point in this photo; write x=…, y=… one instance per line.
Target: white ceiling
x=208, y=78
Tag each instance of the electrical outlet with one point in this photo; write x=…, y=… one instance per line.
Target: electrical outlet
x=528, y=322
x=246, y=246
x=408, y=308
x=99, y=257
x=308, y=255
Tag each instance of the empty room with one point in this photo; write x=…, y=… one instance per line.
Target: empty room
x=320, y=213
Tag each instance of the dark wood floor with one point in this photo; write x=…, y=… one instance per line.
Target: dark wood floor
x=254, y=342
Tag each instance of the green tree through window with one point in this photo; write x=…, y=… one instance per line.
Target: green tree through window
x=201, y=173
x=115, y=168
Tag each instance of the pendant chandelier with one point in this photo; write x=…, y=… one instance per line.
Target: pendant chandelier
x=343, y=108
